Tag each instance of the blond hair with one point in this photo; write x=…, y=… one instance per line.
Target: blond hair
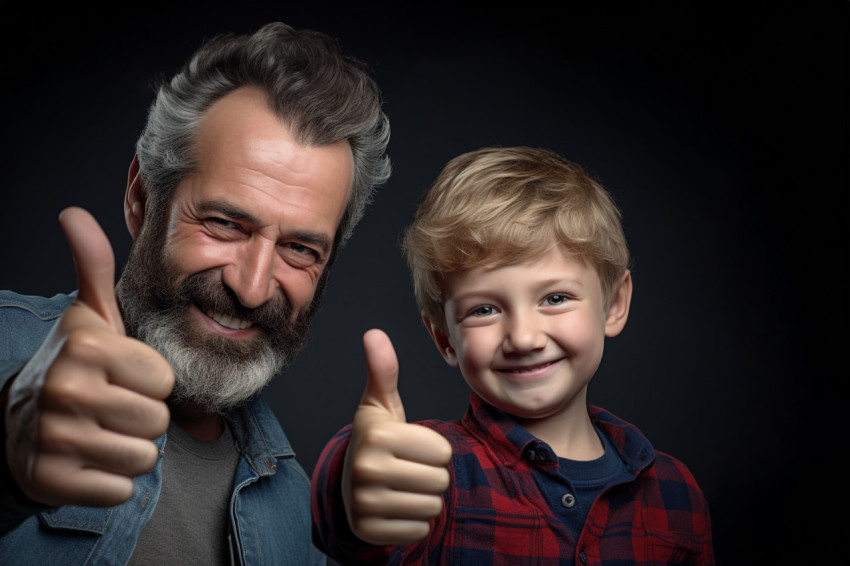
x=501, y=206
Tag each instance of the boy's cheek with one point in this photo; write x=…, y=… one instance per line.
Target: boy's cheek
x=474, y=347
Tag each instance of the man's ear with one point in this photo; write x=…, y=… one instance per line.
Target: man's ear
x=441, y=340
x=135, y=199
x=618, y=313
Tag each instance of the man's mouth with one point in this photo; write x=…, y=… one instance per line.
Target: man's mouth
x=229, y=321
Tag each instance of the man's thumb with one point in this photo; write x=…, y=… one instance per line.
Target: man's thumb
x=95, y=264
x=382, y=383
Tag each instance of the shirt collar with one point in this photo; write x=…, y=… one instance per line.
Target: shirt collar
x=513, y=443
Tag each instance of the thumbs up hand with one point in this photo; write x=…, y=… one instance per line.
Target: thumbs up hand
x=82, y=413
x=394, y=472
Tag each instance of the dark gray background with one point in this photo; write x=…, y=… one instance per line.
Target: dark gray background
x=721, y=130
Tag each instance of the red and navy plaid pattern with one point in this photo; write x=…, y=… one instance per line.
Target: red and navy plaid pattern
x=494, y=512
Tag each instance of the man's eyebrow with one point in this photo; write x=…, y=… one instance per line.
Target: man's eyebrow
x=228, y=209
x=315, y=239
x=309, y=237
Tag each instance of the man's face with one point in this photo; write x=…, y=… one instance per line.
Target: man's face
x=224, y=285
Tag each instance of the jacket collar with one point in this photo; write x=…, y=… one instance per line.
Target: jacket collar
x=259, y=436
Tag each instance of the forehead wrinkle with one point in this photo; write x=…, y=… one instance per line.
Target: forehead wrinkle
x=276, y=180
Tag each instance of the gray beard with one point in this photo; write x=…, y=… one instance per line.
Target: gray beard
x=212, y=373
x=212, y=380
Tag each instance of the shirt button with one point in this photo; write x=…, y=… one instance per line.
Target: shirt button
x=568, y=500
x=582, y=556
x=532, y=455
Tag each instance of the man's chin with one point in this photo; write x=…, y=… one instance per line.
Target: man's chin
x=188, y=403
x=214, y=373
x=216, y=396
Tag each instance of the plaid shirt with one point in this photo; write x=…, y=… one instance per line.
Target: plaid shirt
x=495, y=513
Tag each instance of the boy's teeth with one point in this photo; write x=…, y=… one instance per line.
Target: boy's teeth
x=229, y=321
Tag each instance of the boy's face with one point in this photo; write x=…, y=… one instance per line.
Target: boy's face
x=529, y=337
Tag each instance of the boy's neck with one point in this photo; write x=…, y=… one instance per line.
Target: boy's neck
x=569, y=433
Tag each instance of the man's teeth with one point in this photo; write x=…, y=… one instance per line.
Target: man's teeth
x=229, y=321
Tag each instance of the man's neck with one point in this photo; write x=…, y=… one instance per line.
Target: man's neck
x=196, y=422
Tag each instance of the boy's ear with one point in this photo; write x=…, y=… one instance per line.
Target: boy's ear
x=135, y=199
x=441, y=341
x=618, y=313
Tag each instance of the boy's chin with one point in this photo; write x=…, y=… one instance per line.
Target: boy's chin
x=535, y=409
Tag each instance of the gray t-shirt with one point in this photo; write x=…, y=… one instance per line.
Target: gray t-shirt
x=189, y=523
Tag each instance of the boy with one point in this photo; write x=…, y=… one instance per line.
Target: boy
x=520, y=267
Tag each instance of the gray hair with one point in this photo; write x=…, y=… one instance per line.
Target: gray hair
x=323, y=95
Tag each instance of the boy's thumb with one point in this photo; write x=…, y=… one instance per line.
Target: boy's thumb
x=382, y=381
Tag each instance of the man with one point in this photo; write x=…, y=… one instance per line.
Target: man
x=255, y=165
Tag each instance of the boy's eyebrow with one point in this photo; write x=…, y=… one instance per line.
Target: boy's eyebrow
x=313, y=238
x=479, y=293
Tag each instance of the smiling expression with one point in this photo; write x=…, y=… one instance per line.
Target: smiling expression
x=223, y=281
x=529, y=337
x=261, y=210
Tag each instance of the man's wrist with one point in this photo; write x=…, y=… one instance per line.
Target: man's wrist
x=12, y=498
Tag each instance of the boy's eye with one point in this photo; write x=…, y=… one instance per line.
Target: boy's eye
x=555, y=299
x=484, y=310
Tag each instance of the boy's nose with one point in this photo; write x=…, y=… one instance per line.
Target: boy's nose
x=251, y=277
x=524, y=334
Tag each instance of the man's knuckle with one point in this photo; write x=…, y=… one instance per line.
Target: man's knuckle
x=55, y=438
x=84, y=344
x=157, y=419
x=137, y=457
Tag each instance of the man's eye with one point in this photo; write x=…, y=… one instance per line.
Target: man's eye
x=301, y=255
x=555, y=299
x=220, y=222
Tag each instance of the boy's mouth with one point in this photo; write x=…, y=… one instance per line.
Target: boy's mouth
x=532, y=369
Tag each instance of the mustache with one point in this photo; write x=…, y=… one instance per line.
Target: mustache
x=207, y=291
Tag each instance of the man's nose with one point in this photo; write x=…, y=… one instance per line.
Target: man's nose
x=524, y=332
x=251, y=277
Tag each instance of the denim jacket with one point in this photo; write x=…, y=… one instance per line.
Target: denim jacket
x=269, y=508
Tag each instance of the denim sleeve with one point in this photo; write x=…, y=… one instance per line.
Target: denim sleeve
x=24, y=323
